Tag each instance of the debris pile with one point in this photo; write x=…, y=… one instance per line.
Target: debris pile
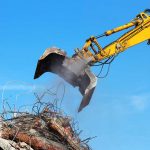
x=46, y=129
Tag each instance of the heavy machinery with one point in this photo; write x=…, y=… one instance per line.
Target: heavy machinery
x=76, y=69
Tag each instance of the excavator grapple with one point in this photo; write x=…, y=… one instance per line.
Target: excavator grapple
x=75, y=71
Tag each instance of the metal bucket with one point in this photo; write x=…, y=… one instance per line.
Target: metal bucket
x=74, y=70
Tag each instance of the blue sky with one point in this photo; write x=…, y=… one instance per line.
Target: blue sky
x=120, y=108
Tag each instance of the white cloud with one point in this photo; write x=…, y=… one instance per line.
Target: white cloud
x=17, y=87
x=140, y=102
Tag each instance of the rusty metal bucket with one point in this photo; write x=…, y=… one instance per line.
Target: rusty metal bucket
x=74, y=70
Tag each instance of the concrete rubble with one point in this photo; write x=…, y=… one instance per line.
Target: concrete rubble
x=10, y=145
x=47, y=130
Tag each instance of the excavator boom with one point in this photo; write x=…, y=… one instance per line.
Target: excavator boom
x=76, y=69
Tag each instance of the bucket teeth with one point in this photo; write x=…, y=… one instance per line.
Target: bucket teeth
x=75, y=71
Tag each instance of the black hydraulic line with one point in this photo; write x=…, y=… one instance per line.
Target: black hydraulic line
x=99, y=36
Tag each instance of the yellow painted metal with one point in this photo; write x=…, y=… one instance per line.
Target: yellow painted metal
x=138, y=34
x=126, y=26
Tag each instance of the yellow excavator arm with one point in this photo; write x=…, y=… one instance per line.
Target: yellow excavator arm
x=136, y=35
x=76, y=69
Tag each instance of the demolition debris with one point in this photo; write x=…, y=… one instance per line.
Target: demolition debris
x=46, y=128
